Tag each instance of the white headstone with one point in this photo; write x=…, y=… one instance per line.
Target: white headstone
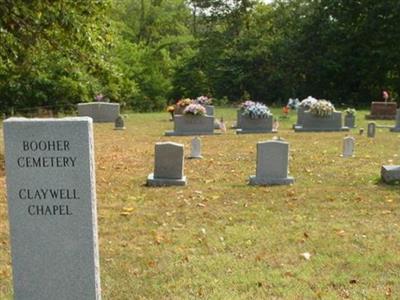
x=195, y=151
x=348, y=146
x=169, y=162
x=50, y=174
x=272, y=163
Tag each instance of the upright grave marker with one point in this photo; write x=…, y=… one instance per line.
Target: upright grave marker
x=52, y=208
x=348, y=146
x=195, y=150
x=371, y=131
x=168, y=165
x=382, y=111
x=272, y=164
x=119, y=123
x=396, y=128
x=99, y=111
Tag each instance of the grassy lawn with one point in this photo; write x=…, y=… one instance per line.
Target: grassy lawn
x=219, y=238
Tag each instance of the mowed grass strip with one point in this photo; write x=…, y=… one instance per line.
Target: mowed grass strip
x=219, y=238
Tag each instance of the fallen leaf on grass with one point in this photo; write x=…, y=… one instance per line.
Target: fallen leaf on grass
x=159, y=238
x=291, y=194
x=152, y=263
x=340, y=233
x=306, y=255
x=128, y=209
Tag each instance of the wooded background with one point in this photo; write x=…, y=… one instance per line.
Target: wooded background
x=148, y=53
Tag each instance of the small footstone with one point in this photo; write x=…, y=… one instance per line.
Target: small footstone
x=390, y=173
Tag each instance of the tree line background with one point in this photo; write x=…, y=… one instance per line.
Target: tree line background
x=148, y=53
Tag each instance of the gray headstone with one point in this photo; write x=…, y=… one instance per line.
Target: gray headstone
x=169, y=162
x=192, y=125
x=272, y=163
x=350, y=121
x=51, y=193
x=300, y=115
x=262, y=125
x=209, y=110
x=310, y=122
x=119, y=123
x=390, y=173
x=99, y=111
x=396, y=128
x=348, y=146
x=195, y=151
x=371, y=131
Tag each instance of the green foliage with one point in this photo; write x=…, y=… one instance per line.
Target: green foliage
x=53, y=53
x=145, y=53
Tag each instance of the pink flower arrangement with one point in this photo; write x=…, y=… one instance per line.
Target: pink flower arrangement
x=195, y=109
x=245, y=105
x=99, y=97
x=203, y=100
x=385, y=95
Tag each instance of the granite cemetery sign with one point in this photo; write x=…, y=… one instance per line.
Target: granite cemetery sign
x=52, y=208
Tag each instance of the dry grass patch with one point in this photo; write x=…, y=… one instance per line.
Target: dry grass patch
x=219, y=238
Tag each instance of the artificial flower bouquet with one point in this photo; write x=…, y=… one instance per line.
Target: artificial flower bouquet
x=203, y=100
x=184, y=102
x=195, y=110
x=255, y=110
x=322, y=108
x=308, y=102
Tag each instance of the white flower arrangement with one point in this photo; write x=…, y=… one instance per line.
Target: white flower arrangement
x=203, y=100
x=293, y=103
x=322, y=108
x=255, y=110
x=308, y=102
x=195, y=110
